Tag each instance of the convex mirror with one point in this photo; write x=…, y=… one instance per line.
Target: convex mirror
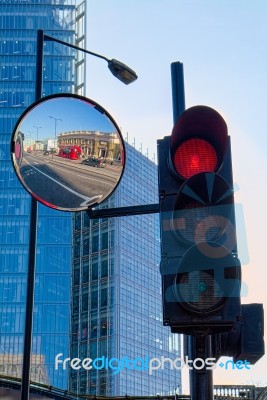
x=68, y=152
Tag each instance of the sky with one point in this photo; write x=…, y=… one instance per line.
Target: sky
x=55, y=116
x=222, y=45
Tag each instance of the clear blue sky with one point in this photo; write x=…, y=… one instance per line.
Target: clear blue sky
x=58, y=112
x=222, y=44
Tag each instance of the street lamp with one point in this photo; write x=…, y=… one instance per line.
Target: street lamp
x=30, y=138
x=55, y=119
x=125, y=75
x=121, y=71
x=37, y=129
x=37, y=132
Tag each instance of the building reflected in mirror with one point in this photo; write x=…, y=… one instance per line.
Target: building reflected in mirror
x=99, y=145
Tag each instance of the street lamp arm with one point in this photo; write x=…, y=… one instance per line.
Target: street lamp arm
x=52, y=39
x=56, y=119
x=120, y=70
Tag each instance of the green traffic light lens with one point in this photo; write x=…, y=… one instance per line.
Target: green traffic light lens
x=205, y=280
x=202, y=287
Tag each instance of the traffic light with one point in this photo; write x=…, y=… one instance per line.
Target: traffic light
x=200, y=269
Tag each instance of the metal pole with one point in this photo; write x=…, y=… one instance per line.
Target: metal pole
x=25, y=380
x=198, y=346
x=201, y=380
x=178, y=93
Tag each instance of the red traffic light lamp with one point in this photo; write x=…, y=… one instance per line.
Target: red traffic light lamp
x=198, y=142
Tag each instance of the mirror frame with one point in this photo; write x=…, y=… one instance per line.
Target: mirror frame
x=15, y=163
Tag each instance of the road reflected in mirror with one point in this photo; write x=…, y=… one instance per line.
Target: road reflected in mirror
x=68, y=152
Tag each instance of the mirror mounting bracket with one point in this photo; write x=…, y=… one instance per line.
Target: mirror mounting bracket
x=122, y=211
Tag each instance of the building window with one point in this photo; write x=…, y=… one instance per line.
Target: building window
x=104, y=268
x=86, y=272
x=94, y=327
x=104, y=297
x=76, y=276
x=94, y=270
x=94, y=297
x=85, y=247
x=104, y=326
x=104, y=241
x=85, y=299
x=95, y=242
x=77, y=222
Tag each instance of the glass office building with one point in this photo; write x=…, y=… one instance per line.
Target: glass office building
x=116, y=294
x=63, y=71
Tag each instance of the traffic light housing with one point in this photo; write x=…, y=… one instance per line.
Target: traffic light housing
x=199, y=263
x=245, y=341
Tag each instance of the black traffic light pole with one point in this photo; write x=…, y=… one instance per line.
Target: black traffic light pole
x=201, y=382
x=178, y=92
x=198, y=345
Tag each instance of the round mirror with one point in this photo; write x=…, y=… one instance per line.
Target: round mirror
x=68, y=152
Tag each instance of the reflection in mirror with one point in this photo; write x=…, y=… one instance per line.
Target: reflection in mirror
x=68, y=152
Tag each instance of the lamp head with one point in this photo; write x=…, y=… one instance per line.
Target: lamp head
x=122, y=71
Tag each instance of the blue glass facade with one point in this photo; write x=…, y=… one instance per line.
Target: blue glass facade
x=63, y=71
x=116, y=292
